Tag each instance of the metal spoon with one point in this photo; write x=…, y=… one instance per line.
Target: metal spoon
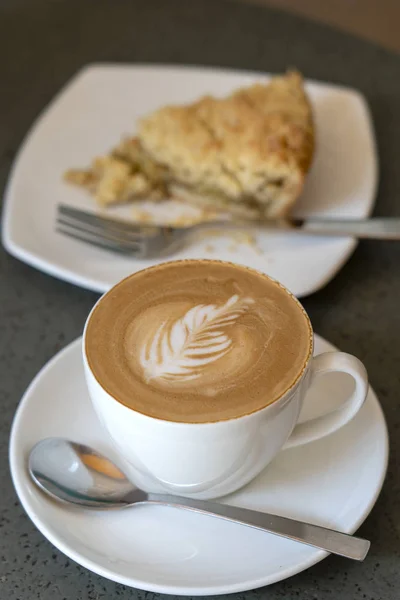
x=76, y=474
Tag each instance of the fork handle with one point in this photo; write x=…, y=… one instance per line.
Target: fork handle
x=379, y=228
x=312, y=535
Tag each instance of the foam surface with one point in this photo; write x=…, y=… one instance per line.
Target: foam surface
x=197, y=341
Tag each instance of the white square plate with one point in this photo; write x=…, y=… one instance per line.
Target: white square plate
x=102, y=103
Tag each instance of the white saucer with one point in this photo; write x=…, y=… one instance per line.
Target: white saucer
x=334, y=482
x=101, y=104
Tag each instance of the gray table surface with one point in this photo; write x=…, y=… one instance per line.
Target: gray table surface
x=42, y=44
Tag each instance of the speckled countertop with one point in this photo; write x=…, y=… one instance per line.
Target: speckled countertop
x=42, y=44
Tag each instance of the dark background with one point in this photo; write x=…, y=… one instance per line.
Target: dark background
x=42, y=44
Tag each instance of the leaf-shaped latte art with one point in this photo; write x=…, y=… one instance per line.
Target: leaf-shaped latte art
x=180, y=351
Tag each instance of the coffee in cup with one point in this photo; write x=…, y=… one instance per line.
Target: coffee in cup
x=198, y=341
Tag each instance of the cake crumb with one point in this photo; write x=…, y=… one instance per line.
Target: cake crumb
x=142, y=216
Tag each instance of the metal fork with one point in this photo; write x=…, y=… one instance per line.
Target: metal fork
x=146, y=241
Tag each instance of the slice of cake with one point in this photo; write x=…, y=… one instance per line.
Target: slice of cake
x=247, y=154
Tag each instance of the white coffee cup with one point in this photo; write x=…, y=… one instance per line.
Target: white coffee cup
x=207, y=460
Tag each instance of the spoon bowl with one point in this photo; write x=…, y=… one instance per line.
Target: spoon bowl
x=76, y=474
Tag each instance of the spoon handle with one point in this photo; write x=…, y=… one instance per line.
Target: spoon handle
x=312, y=535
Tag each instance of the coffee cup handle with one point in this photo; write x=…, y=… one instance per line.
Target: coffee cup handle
x=319, y=427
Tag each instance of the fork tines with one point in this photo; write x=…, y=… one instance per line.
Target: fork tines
x=110, y=234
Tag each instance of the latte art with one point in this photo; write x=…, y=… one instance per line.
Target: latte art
x=182, y=350
x=197, y=341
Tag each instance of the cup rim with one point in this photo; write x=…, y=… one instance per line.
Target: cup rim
x=287, y=392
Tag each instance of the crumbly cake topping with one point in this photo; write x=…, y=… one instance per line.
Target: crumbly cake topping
x=248, y=153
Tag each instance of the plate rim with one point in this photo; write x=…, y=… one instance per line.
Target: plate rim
x=17, y=249
x=19, y=479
